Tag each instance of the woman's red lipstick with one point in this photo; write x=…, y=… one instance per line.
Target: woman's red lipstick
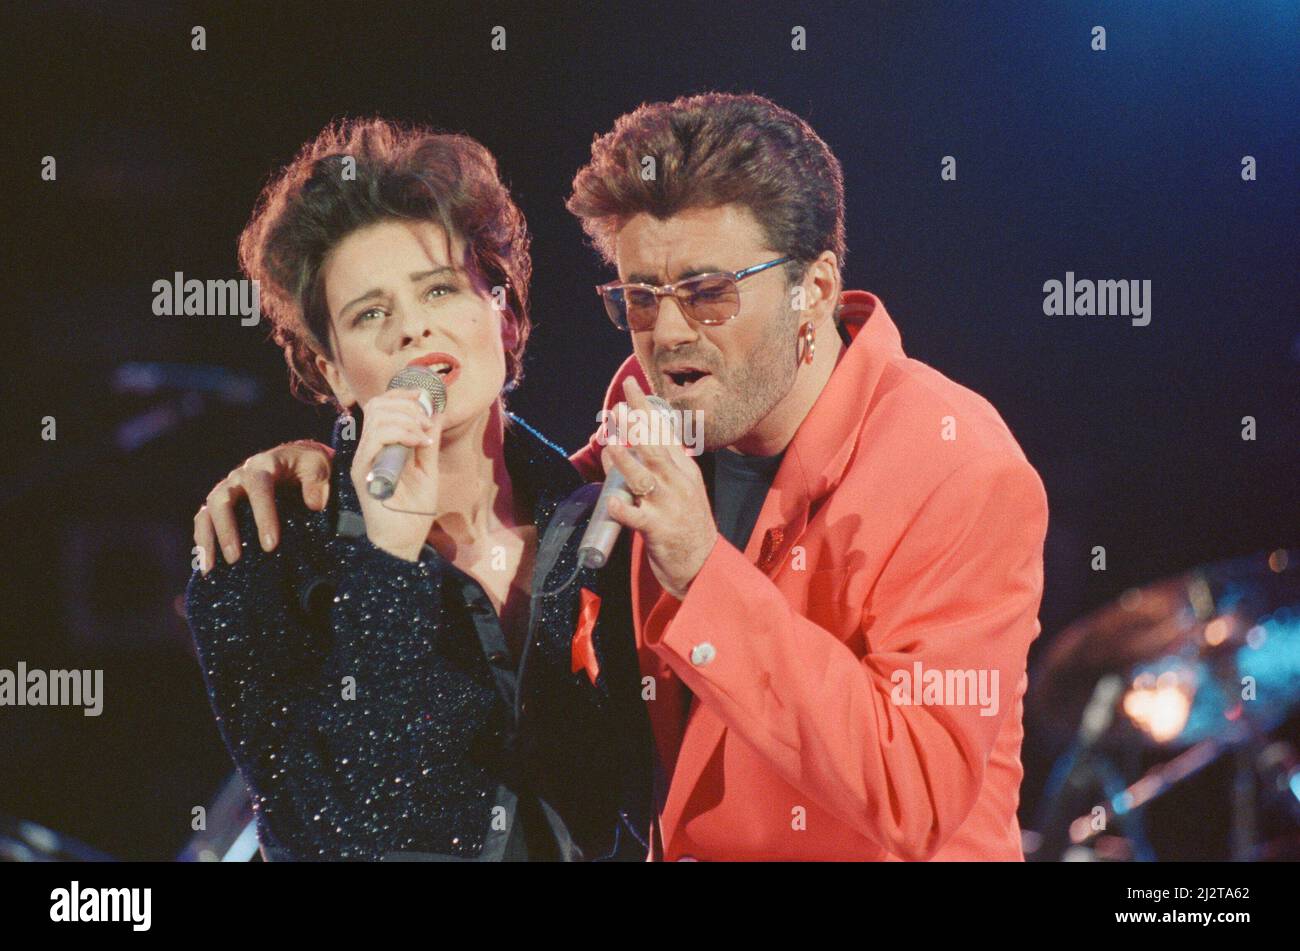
x=429, y=359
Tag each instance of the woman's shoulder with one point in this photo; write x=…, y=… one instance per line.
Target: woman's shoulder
x=301, y=528
x=303, y=540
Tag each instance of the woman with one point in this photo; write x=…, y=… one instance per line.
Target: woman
x=412, y=677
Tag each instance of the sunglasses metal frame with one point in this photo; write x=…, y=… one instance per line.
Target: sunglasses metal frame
x=670, y=290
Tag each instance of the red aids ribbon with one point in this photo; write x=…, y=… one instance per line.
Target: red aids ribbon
x=584, y=654
x=772, y=539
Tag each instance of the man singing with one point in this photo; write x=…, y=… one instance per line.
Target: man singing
x=834, y=603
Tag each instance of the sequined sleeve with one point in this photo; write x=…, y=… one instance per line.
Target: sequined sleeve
x=348, y=717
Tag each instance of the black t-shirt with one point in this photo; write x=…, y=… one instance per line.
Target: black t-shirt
x=740, y=484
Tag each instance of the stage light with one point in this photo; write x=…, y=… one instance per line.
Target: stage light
x=1159, y=706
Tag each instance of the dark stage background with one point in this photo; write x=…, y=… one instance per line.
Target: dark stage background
x=1122, y=164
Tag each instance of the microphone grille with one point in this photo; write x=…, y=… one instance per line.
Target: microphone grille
x=422, y=378
x=665, y=409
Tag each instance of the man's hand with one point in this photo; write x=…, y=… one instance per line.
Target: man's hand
x=304, y=461
x=672, y=510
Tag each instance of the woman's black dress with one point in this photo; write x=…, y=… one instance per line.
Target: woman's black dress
x=372, y=706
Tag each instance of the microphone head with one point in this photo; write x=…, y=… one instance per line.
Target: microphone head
x=422, y=378
x=665, y=409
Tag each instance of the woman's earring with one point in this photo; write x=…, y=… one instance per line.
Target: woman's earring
x=809, y=340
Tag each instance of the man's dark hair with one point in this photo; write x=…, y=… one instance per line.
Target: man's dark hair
x=716, y=149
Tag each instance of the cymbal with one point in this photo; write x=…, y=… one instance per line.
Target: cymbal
x=1225, y=635
x=24, y=841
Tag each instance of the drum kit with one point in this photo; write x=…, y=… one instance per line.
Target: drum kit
x=1182, y=697
x=229, y=834
x=23, y=841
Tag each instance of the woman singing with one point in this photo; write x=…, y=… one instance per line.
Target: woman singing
x=412, y=677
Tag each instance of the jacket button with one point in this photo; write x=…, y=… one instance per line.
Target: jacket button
x=498, y=659
x=701, y=654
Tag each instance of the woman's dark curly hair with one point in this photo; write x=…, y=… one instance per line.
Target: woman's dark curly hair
x=358, y=172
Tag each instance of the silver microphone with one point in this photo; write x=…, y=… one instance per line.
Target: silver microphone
x=381, y=480
x=602, y=531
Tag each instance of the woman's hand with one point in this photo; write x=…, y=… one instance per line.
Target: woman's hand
x=304, y=461
x=399, y=524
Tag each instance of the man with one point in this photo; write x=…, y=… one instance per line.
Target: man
x=834, y=603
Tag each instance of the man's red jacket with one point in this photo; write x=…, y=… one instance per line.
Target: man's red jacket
x=836, y=664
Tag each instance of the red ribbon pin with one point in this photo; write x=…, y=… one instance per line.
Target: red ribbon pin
x=583, y=653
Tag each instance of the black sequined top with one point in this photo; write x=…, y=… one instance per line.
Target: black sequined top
x=373, y=710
